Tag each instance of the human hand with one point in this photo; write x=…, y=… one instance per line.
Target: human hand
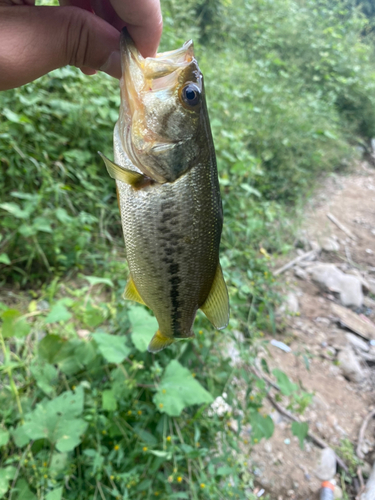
x=83, y=33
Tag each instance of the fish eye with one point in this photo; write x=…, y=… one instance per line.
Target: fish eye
x=191, y=94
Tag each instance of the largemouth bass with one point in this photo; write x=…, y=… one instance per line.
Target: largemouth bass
x=168, y=192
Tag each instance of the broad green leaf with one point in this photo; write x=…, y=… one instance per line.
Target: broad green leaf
x=55, y=494
x=262, y=426
x=14, y=325
x=22, y=491
x=112, y=348
x=93, y=315
x=286, y=386
x=146, y=436
x=49, y=347
x=4, y=259
x=109, y=402
x=58, y=462
x=45, y=376
x=20, y=438
x=4, y=437
x=162, y=454
x=56, y=420
x=58, y=313
x=4, y=484
x=300, y=429
x=179, y=389
x=15, y=210
x=144, y=327
x=94, y=280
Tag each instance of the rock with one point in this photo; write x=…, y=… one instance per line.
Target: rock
x=369, y=251
x=337, y=493
x=357, y=342
x=327, y=465
x=315, y=246
x=300, y=273
x=350, y=366
x=330, y=245
x=291, y=303
x=351, y=291
x=330, y=278
x=268, y=447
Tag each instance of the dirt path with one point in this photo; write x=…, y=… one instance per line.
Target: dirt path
x=341, y=399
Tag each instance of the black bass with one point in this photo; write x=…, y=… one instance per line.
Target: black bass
x=168, y=192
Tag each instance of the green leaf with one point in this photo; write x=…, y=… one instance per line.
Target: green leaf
x=55, y=494
x=23, y=491
x=286, y=386
x=112, y=348
x=144, y=327
x=20, y=438
x=300, y=429
x=4, y=437
x=179, y=389
x=94, y=280
x=45, y=376
x=14, y=324
x=56, y=421
x=58, y=313
x=49, y=347
x=262, y=426
x=15, y=210
x=4, y=259
x=109, y=402
x=93, y=315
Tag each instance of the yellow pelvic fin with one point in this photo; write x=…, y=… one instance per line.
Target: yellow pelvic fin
x=122, y=174
x=216, y=306
x=159, y=342
x=131, y=292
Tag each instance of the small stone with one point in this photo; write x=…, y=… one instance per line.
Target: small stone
x=268, y=447
x=357, y=342
x=287, y=441
x=300, y=273
x=369, y=251
x=292, y=305
x=42, y=305
x=330, y=245
x=327, y=465
x=350, y=366
x=337, y=493
x=290, y=493
x=315, y=246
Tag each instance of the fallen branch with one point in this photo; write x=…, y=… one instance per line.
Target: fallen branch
x=341, y=226
x=316, y=439
x=361, y=434
x=294, y=261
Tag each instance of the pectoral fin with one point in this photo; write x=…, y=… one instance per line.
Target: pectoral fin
x=216, y=306
x=131, y=292
x=159, y=342
x=122, y=174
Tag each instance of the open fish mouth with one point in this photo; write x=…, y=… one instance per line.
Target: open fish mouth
x=152, y=125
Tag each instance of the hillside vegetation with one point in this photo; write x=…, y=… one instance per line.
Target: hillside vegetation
x=291, y=93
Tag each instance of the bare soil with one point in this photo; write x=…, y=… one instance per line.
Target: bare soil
x=339, y=406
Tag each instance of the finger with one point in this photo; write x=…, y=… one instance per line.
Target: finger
x=36, y=40
x=144, y=22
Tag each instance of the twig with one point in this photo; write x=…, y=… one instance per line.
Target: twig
x=341, y=226
x=294, y=261
x=362, y=431
x=317, y=440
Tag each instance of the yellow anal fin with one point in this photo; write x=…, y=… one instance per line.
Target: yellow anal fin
x=216, y=306
x=159, y=342
x=131, y=292
x=122, y=174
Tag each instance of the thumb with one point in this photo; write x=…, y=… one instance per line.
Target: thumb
x=36, y=40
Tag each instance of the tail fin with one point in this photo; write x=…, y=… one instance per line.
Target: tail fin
x=159, y=342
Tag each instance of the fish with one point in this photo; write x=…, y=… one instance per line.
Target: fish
x=168, y=192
